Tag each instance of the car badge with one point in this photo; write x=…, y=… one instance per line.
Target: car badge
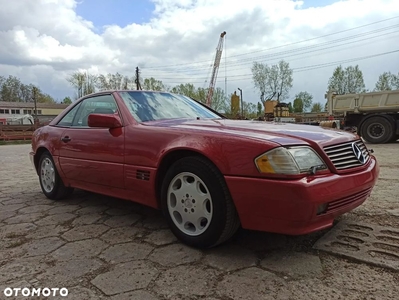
x=358, y=153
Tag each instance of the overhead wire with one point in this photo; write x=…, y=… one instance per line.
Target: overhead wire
x=277, y=47
x=313, y=67
x=278, y=56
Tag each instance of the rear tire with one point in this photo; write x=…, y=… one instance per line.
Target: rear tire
x=197, y=204
x=50, y=181
x=378, y=130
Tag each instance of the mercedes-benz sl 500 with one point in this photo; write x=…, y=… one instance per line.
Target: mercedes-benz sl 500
x=208, y=174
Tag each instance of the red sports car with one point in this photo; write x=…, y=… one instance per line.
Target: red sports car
x=208, y=174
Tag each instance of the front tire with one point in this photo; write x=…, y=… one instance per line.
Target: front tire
x=197, y=204
x=50, y=181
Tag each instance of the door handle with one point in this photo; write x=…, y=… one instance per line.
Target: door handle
x=66, y=139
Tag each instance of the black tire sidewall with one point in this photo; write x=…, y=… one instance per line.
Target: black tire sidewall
x=53, y=194
x=218, y=195
x=387, y=124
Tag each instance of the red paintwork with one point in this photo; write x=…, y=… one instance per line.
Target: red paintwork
x=105, y=161
x=102, y=120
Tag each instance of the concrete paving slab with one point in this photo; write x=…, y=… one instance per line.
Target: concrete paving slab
x=38, y=247
x=174, y=255
x=136, y=295
x=125, y=278
x=122, y=220
x=143, y=260
x=186, y=281
x=68, y=273
x=79, y=250
x=161, y=237
x=126, y=252
x=85, y=232
x=363, y=242
x=293, y=264
x=250, y=284
x=230, y=258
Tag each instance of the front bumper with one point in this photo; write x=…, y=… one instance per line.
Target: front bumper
x=290, y=206
x=32, y=159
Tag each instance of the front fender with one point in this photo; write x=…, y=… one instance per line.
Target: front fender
x=231, y=155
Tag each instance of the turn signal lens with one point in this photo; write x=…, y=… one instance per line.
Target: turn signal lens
x=289, y=161
x=277, y=161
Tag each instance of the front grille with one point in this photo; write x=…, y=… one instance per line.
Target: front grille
x=343, y=156
x=340, y=203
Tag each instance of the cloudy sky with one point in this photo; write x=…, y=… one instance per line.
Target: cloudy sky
x=42, y=41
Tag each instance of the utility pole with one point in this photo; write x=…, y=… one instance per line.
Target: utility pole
x=137, y=80
x=34, y=90
x=242, y=103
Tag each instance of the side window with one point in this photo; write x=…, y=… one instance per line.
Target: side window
x=68, y=118
x=104, y=104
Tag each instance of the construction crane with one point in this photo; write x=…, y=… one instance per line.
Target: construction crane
x=216, y=64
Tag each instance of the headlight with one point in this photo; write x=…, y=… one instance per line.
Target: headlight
x=289, y=161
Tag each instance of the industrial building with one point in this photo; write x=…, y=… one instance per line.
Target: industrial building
x=19, y=112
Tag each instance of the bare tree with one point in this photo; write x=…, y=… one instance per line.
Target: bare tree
x=83, y=82
x=273, y=80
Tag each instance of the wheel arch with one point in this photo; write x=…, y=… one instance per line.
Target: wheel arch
x=37, y=156
x=168, y=160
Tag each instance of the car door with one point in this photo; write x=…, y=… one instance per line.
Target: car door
x=93, y=155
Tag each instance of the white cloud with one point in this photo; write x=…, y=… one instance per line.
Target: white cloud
x=45, y=40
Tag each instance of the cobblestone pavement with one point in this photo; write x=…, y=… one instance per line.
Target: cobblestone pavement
x=104, y=248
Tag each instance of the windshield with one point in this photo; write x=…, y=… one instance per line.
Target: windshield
x=153, y=106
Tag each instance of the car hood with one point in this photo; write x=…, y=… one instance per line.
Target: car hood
x=281, y=133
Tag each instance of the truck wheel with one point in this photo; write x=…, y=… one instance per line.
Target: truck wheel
x=197, y=203
x=377, y=130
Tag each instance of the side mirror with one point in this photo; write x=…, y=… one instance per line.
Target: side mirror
x=104, y=121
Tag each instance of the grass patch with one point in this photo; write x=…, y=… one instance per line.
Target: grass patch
x=15, y=142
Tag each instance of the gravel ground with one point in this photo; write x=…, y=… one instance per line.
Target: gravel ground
x=104, y=248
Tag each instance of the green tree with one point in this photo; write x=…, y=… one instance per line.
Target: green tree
x=250, y=110
x=387, y=82
x=306, y=100
x=114, y=82
x=44, y=98
x=218, y=99
x=317, y=107
x=151, y=84
x=290, y=108
x=273, y=80
x=202, y=93
x=347, y=81
x=260, y=109
x=13, y=90
x=187, y=89
x=298, y=105
x=67, y=100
